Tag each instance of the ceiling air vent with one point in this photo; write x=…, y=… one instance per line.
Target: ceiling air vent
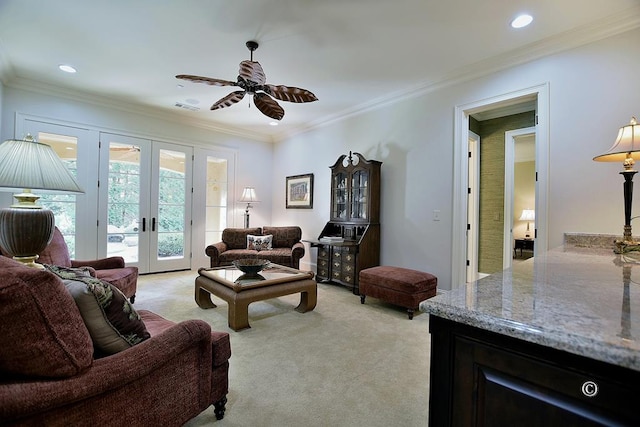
x=187, y=106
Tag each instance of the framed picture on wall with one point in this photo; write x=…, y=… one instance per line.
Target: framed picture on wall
x=300, y=191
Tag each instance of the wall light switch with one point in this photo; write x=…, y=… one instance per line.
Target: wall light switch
x=436, y=215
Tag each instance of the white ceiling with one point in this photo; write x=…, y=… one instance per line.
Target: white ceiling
x=353, y=54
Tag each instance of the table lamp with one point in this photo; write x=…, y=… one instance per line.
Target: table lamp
x=26, y=228
x=248, y=196
x=626, y=149
x=528, y=215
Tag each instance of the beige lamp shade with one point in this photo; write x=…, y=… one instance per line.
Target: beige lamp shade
x=35, y=166
x=249, y=195
x=626, y=147
x=528, y=215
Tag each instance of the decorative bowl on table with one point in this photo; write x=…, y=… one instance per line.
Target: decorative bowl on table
x=251, y=267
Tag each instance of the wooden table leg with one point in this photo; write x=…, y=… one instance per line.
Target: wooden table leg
x=203, y=298
x=239, y=315
x=308, y=300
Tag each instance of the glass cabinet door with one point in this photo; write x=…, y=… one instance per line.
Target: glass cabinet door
x=359, y=194
x=339, y=196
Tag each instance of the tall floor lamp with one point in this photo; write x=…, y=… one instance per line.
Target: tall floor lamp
x=248, y=197
x=626, y=149
x=26, y=228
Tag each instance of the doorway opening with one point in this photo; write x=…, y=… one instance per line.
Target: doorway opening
x=520, y=195
x=499, y=216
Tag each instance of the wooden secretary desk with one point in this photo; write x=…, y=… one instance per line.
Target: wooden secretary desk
x=350, y=241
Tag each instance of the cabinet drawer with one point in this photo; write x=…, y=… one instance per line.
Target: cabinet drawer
x=348, y=268
x=322, y=273
x=535, y=389
x=348, y=277
x=323, y=263
x=323, y=252
x=349, y=258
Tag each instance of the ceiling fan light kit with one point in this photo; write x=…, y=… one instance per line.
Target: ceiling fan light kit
x=253, y=81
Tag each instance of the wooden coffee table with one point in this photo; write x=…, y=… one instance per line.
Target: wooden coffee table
x=239, y=290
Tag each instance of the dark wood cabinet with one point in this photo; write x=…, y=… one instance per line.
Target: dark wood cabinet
x=350, y=241
x=481, y=378
x=355, y=190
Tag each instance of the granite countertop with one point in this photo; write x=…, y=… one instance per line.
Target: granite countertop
x=569, y=299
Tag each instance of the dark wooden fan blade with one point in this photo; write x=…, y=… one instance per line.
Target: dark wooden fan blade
x=206, y=80
x=252, y=70
x=290, y=93
x=268, y=106
x=229, y=100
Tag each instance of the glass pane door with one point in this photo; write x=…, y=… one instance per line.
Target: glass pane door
x=63, y=206
x=123, y=203
x=124, y=191
x=216, y=198
x=171, y=207
x=212, y=184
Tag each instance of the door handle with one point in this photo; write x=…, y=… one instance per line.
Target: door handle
x=144, y=224
x=153, y=224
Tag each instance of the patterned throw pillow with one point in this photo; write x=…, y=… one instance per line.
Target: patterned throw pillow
x=259, y=243
x=113, y=323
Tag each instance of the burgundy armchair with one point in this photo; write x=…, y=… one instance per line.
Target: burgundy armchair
x=111, y=269
x=50, y=375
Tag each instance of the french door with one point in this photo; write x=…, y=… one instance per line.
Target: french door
x=144, y=210
x=138, y=195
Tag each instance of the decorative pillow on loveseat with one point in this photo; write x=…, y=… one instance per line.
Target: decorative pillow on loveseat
x=113, y=323
x=259, y=243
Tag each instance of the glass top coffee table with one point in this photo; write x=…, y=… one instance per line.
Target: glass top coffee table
x=239, y=290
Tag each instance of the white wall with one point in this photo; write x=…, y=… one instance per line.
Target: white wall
x=593, y=91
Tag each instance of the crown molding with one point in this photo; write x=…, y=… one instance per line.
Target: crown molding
x=128, y=107
x=607, y=27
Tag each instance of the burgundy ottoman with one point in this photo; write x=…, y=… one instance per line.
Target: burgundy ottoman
x=399, y=286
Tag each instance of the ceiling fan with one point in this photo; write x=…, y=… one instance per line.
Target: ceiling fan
x=252, y=80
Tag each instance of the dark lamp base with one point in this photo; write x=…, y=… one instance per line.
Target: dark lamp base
x=24, y=233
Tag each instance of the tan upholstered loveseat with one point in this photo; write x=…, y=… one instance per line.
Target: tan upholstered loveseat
x=287, y=249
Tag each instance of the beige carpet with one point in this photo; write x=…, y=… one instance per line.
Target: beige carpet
x=343, y=364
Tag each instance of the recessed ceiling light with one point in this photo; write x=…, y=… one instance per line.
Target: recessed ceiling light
x=522, y=21
x=67, y=68
x=273, y=123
